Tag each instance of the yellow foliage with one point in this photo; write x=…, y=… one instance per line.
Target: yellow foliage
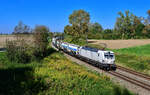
x=64, y=70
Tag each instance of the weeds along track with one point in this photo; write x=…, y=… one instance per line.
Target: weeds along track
x=131, y=80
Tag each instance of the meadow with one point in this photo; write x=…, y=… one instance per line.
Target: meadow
x=143, y=51
x=137, y=58
x=54, y=75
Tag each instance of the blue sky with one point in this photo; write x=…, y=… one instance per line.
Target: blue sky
x=55, y=13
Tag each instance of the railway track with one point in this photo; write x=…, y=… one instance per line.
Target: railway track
x=131, y=80
x=134, y=72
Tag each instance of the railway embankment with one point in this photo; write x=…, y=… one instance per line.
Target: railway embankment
x=132, y=81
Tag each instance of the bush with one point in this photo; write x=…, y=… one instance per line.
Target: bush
x=95, y=36
x=121, y=91
x=17, y=51
x=41, y=34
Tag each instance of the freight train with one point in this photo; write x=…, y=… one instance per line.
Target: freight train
x=102, y=59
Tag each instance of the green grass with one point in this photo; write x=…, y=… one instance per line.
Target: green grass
x=140, y=64
x=136, y=58
x=138, y=50
x=55, y=75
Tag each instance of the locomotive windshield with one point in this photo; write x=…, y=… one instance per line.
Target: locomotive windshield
x=109, y=55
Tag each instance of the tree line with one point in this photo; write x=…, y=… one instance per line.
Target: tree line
x=22, y=28
x=127, y=26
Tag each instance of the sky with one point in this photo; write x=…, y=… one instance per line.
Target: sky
x=54, y=13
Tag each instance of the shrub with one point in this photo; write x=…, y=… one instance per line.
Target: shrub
x=40, y=41
x=17, y=51
x=121, y=91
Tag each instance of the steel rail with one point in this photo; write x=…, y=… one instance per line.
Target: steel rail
x=134, y=72
x=131, y=80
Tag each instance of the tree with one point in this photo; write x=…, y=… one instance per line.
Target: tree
x=107, y=31
x=41, y=34
x=137, y=27
x=148, y=18
x=22, y=29
x=127, y=25
x=95, y=28
x=146, y=30
x=79, y=18
x=68, y=30
x=123, y=24
x=108, y=34
x=79, y=21
x=95, y=31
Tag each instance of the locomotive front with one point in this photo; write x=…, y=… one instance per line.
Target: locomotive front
x=108, y=60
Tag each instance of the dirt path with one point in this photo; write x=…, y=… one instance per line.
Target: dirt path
x=117, y=44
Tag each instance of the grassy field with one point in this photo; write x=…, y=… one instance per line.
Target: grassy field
x=55, y=75
x=143, y=51
x=137, y=58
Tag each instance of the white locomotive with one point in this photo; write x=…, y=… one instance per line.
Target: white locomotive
x=100, y=58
